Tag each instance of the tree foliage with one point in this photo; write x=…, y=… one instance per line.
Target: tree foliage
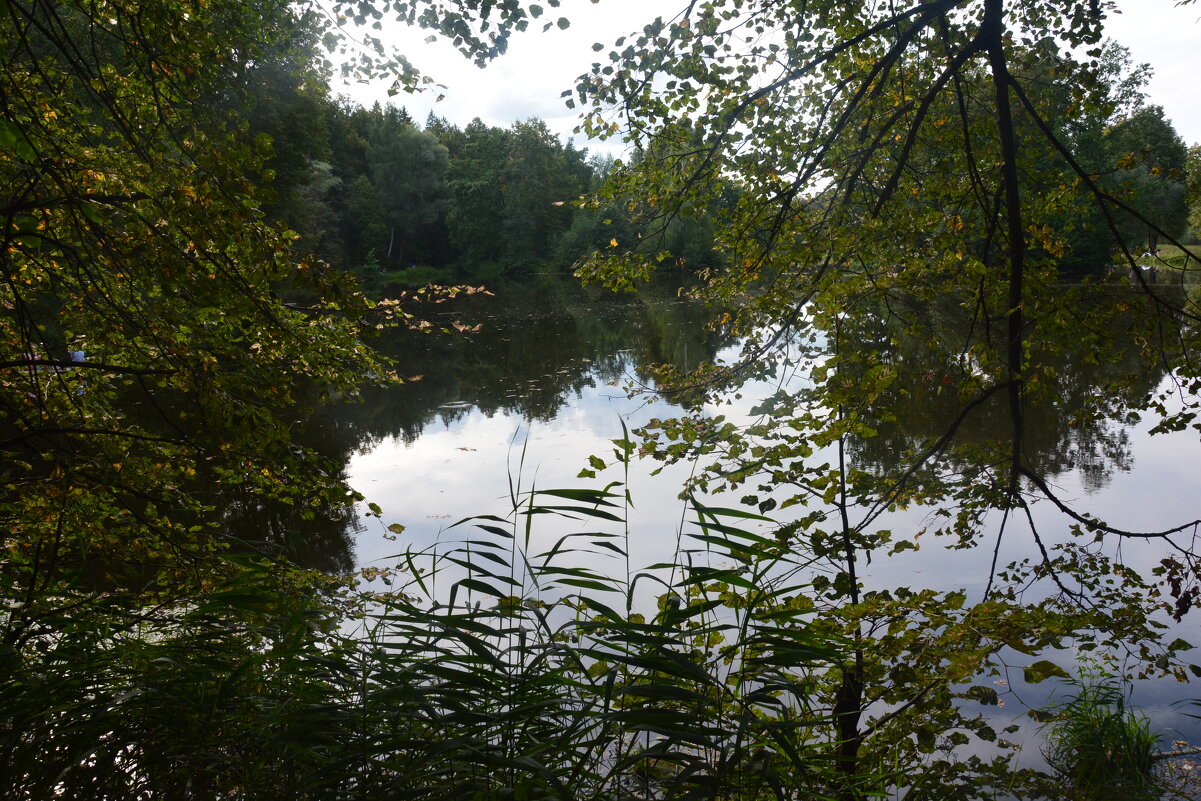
x=1150, y=164
x=440, y=197
x=917, y=171
x=145, y=654
x=870, y=172
x=135, y=233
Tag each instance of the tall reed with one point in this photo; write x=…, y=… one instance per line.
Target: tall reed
x=523, y=660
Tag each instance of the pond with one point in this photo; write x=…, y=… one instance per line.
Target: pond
x=547, y=382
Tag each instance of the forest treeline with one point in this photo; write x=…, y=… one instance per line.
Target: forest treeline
x=377, y=193
x=372, y=191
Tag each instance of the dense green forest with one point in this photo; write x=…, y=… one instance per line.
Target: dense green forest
x=374, y=193
x=377, y=193
x=190, y=221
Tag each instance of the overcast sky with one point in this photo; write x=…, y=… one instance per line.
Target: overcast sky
x=529, y=79
x=1169, y=39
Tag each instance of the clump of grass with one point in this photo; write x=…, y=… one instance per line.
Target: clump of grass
x=1102, y=748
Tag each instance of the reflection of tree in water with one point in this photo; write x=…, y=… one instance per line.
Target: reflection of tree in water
x=539, y=345
x=317, y=538
x=318, y=533
x=315, y=531
x=1075, y=418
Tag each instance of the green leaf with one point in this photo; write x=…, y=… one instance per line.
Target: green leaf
x=571, y=511
x=598, y=497
x=1042, y=670
x=480, y=586
x=13, y=140
x=92, y=212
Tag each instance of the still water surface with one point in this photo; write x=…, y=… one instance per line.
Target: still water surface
x=545, y=383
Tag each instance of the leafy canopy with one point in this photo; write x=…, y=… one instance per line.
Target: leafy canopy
x=916, y=174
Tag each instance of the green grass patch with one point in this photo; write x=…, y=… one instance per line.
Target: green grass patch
x=1103, y=749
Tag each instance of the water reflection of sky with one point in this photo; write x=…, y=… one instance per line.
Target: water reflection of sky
x=464, y=467
x=462, y=463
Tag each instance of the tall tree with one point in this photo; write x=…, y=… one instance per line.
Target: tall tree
x=475, y=218
x=886, y=156
x=284, y=97
x=537, y=191
x=1193, y=185
x=145, y=345
x=1150, y=170
x=408, y=168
